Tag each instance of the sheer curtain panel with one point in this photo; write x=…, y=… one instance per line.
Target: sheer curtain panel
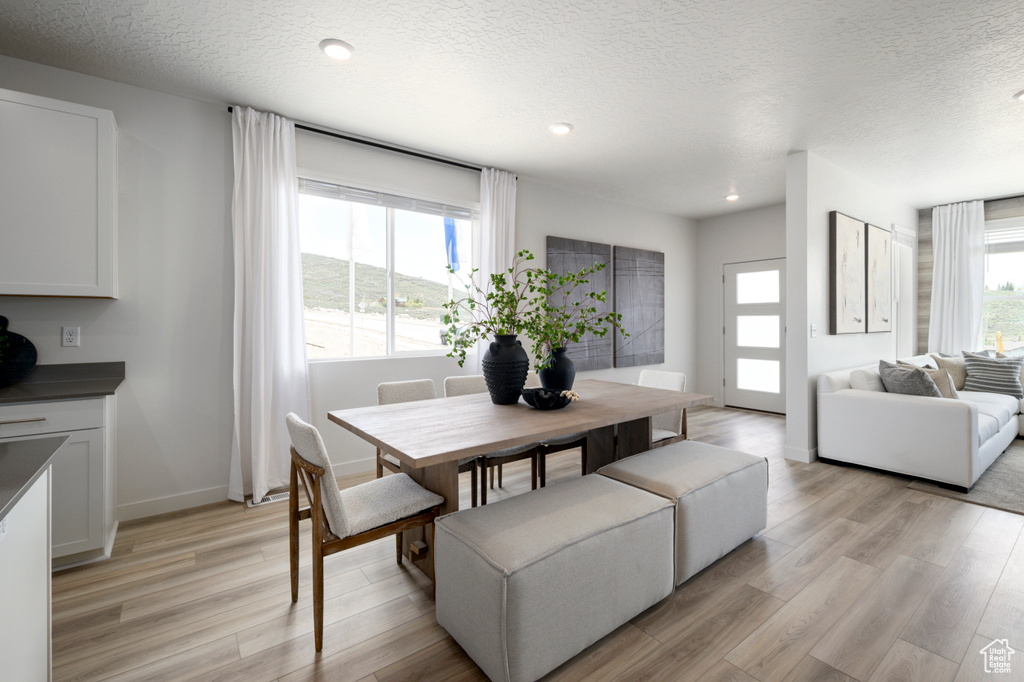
x=958, y=277
x=269, y=341
x=497, y=220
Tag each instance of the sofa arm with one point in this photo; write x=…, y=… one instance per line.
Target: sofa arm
x=934, y=438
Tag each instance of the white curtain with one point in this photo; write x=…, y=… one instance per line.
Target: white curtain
x=269, y=339
x=497, y=220
x=958, y=277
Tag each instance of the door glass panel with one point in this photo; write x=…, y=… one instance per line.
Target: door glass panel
x=758, y=375
x=757, y=287
x=757, y=331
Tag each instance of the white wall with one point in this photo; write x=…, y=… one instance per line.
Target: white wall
x=173, y=323
x=814, y=187
x=756, y=234
x=542, y=210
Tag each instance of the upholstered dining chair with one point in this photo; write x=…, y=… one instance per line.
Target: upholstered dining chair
x=407, y=391
x=475, y=383
x=669, y=427
x=560, y=444
x=400, y=392
x=346, y=518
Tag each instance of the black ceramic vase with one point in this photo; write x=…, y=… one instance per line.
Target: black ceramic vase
x=505, y=366
x=17, y=355
x=560, y=373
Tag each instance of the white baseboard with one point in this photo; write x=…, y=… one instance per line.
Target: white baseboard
x=800, y=455
x=359, y=466
x=162, y=505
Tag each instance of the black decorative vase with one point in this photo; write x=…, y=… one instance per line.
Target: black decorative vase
x=17, y=355
x=505, y=366
x=560, y=373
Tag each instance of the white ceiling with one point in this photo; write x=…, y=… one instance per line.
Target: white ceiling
x=675, y=102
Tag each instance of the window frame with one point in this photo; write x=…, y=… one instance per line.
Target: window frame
x=389, y=325
x=1012, y=227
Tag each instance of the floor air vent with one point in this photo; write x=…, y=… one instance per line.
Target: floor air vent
x=276, y=497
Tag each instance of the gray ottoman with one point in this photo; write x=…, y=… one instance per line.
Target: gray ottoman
x=721, y=497
x=527, y=583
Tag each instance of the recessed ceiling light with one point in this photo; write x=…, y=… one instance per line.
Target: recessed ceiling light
x=560, y=128
x=1019, y=95
x=336, y=49
x=732, y=197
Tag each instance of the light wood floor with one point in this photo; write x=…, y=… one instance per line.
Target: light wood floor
x=856, y=577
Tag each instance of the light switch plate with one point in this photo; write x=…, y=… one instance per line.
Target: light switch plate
x=3, y=529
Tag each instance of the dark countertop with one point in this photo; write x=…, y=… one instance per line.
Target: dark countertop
x=66, y=382
x=21, y=464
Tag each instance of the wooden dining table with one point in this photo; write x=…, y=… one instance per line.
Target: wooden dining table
x=429, y=437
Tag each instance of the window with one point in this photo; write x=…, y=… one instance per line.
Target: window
x=1003, y=309
x=374, y=269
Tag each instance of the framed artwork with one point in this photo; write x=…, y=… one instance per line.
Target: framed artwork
x=640, y=299
x=879, y=279
x=572, y=255
x=847, y=270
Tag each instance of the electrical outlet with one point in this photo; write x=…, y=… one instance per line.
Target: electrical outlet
x=3, y=529
x=71, y=336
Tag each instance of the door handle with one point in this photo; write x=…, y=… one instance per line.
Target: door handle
x=23, y=421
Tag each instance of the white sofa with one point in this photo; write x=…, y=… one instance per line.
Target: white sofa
x=948, y=441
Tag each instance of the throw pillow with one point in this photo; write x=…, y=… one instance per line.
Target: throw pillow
x=1015, y=353
x=942, y=380
x=994, y=375
x=907, y=380
x=955, y=367
x=866, y=380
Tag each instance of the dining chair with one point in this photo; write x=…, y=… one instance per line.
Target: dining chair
x=560, y=444
x=347, y=518
x=475, y=383
x=668, y=427
x=392, y=392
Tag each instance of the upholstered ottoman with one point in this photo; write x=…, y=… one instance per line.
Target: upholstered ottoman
x=527, y=583
x=720, y=495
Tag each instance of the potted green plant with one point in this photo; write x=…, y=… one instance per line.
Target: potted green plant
x=498, y=309
x=563, y=315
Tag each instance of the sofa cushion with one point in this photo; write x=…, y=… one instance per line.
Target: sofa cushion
x=942, y=380
x=994, y=375
x=988, y=426
x=1003, y=407
x=956, y=368
x=920, y=361
x=866, y=380
x=907, y=380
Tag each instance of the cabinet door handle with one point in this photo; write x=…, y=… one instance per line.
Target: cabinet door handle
x=23, y=421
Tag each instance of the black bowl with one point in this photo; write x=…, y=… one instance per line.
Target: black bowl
x=544, y=399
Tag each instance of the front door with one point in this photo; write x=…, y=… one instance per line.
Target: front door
x=755, y=335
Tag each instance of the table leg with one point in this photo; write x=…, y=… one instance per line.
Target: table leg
x=442, y=479
x=600, y=448
x=633, y=438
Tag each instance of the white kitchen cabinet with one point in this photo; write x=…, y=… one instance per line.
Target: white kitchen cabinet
x=83, y=473
x=58, y=190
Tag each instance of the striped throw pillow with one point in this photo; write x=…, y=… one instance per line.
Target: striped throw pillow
x=993, y=375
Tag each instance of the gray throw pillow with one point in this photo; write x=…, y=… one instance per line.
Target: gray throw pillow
x=907, y=380
x=993, y=375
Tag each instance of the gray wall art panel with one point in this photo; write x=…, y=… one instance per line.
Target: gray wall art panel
x=640, y=299
x=573, y=255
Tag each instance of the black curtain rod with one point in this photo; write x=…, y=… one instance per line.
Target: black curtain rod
x=381, y=145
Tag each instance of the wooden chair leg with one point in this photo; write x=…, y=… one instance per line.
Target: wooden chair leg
x=533, y=472
x=293, y=531
x=318, y=591
x=499, y=475
x=483, y=481
x=398, y=543
x=472, y=485
x=491, y=469
x=380, y=467
x=542, y=462
x=684, y=431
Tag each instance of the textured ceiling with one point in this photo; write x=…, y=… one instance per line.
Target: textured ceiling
x=675, y=103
